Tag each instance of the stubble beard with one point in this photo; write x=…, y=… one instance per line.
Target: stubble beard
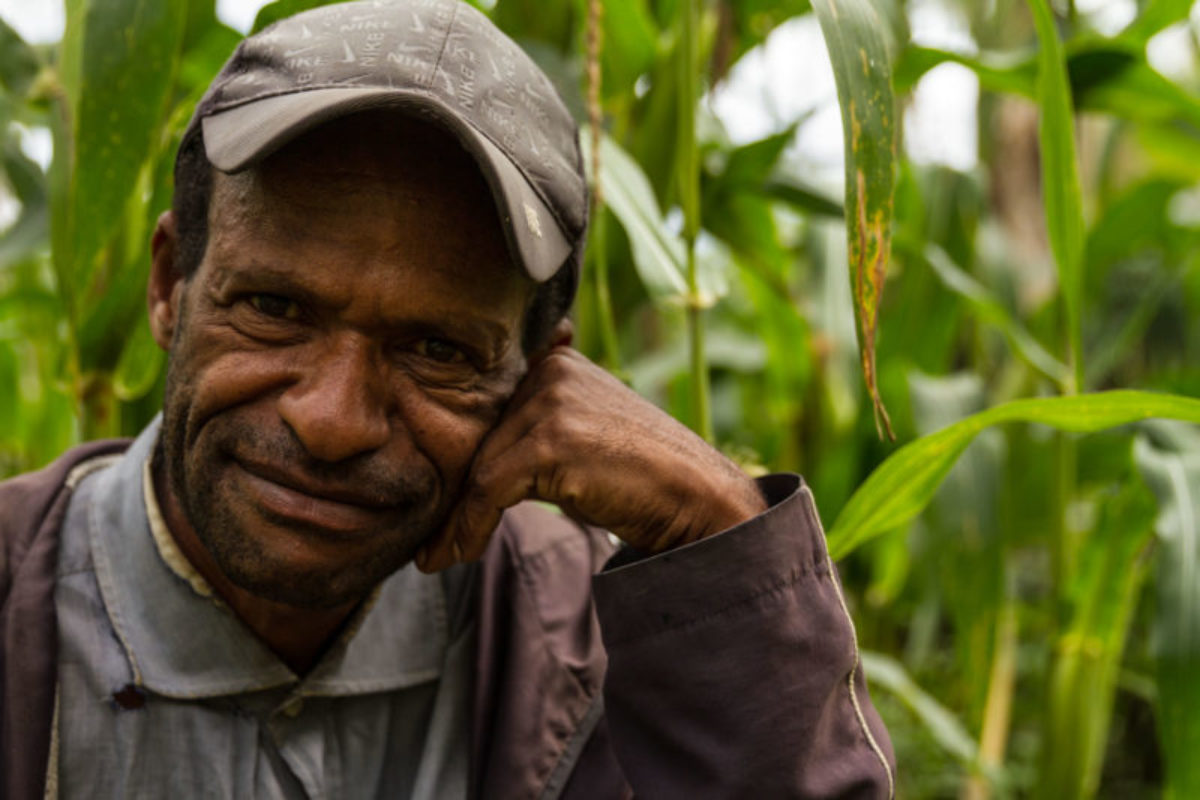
x=198, y=472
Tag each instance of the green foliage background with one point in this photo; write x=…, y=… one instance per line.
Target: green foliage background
x=1023, y=561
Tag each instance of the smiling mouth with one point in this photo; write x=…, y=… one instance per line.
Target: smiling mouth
x=327, y=509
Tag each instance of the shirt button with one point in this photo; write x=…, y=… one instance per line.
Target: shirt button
x=293, y=707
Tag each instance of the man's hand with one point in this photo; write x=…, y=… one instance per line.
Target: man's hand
x=575, y=436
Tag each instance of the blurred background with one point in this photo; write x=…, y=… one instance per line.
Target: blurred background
x=1035, y=629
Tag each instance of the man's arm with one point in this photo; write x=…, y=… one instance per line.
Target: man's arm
x=733, y=664
x=733, y=667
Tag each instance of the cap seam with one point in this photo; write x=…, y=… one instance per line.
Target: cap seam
x=445, y=41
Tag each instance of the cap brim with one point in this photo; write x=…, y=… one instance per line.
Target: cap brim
x=237, y=138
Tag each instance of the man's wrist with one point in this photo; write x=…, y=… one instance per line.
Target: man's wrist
x=743, y=504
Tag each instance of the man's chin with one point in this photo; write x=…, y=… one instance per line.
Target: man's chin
x=310, y=569
x=314, y=590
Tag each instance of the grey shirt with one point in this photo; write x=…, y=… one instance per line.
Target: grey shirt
x=164, y=692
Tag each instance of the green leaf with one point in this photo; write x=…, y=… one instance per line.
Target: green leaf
x=1083, y=680
x=279, y=9
x=997, y=72
x=802, y=198
x=630, y=43
x=139, y=365
x=745, y=24
x=749, y=165
x=1106, y=75
x=10, y=397
x=904, y=484
x=19, y=63
x=1117, y=80
x=857, y=42
x=120, y=61
x=1156, y=15
x=27, y=235
x=1174, y=476
x=990, y=311
x=734, y=205
x=201, y=19
x=657, y=252
x=946, y=729
x=1061, y=193
x=1137, y=220
x=553, y=23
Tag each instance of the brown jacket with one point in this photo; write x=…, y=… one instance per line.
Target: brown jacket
x=729, y=668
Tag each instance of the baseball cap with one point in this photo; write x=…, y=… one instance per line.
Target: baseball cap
x=439, y=60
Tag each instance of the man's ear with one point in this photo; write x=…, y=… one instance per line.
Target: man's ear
x=561, y=336
x=165, y=289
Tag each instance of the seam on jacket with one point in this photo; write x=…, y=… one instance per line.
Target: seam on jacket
x=85, y=468
x=566, y=763
x=74, y=478
x=858, y=712
x=106, y=593
x=519, y=561
x=795, y=576
x=51, y=792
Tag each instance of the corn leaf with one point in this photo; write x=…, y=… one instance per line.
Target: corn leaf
x=19, y=63
x=119, y=61
x=1156, y=15
x=1061, y=192
x=139, y=365
x=657, y=253
x=1174, y=476
x=993, y=313
x=857, y=41
x=273, y=12
x=902, y=486
x=946, y=729
x=1083, y=680
x=27, y=235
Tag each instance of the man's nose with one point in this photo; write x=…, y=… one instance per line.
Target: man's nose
x=339, y=408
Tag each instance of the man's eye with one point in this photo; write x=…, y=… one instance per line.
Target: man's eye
x=272, y=305
x=441, y=351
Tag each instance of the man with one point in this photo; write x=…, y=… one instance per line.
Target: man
x=363, y=288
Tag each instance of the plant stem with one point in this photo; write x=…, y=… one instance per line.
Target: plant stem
x=699, y=368
x=689, y=199
x=997, y=711
x=604, y=313
x=604, y=310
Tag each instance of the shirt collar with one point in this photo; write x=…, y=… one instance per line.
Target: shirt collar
x=183, y=641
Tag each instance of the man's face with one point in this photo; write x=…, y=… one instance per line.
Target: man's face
x=350, y=336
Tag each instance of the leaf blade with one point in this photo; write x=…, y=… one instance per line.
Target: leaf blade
x=1175, y=479
x=1061, y=192
x=903, y=485
x=857, y=41
x=657, y=253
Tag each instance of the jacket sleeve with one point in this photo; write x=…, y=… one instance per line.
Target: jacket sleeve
x=733, y=666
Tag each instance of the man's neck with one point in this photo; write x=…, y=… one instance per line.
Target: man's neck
x=297, y=635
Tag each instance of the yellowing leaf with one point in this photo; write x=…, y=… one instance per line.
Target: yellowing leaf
x=856, y=38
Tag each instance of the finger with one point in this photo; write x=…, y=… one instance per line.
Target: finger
x=442, y=550
x=499, y=478
x=506, y=466
x=472, y=522
x=496, y=484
